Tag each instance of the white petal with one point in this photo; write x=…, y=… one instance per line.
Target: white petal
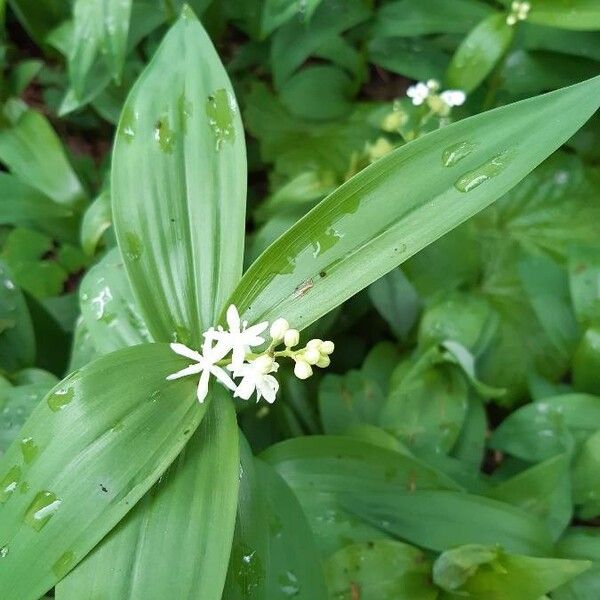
x=256, y=330
x=191, y=370
x=233, y=319
x=218, y=351
x=183, y=350
x=203, y=386
x=238, y=356
x=245, y=388
x=222, y=376
x=269, y=387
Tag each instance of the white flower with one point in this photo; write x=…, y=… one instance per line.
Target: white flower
x=255, y=377
x=205, y=366
x=453, y=97
x=291, y=338
x=418, y=93
x=278, y=329
x=239, y=339
x=302, y=370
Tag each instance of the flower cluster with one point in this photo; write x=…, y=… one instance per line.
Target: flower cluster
x=226, y=355
x=519, y=11
x=438, y=102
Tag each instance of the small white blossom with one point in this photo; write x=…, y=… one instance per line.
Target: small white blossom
x=254, y=378
x=302, y=370
x=239, y=339
x=291, y=338
x=205, y=366
x=418, y=93
x=327, y=347
x=453, y=97
x=278, y=329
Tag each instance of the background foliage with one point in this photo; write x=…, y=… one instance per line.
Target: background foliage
x=454, y=447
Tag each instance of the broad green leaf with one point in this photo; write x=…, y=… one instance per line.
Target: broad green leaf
x=380, y=570
x=16, y=404
x=586, y=477
x=586, y=362
x=544, y=490
x=568, y=14
x=274, y=554
x=408, y=18
x=422, y=517
x=426, y=407
x=584, y=274
x=38, y=18
x=321, y=92
x=349, y=399
x=367, y=226
x=109, y=311
x=470, y=445
x=87, y=454
x=581, y=543
x=195, y=503
x=100, y=29
x=17, y=337
x=396, y=301
x=179, y=185
x=96, y=220
x=551, y=426
x=277, y=12
x=30, y=148
x=479, y=53
x=488, y=572
x=323, y=470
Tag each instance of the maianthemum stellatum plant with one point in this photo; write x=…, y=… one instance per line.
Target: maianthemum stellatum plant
x=121, y=483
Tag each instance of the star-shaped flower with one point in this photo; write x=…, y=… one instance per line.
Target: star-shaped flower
x=204, y=365
x=239, y=339
x=255, y=376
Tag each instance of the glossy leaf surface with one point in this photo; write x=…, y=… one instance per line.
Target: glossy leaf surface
x=179, y=185
x=390, y=211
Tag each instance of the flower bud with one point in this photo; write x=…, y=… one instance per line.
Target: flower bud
x=302, y=370
x=311, y=355
x=327, y=347
x=291, y=338
x=316, y=343
x=264, y=364
x=279, y=329
x=323, y=362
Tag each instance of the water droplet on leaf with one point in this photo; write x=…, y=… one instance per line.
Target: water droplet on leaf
x=8, y=484
x=288, y=584
x=59, y=399
x=29, y=450
x=42, y=509
x=133, y=246
x=455, y=153
x=63, y=565
x=164, y=135
x=220, y=110
x=3, y=551
x=473, y=179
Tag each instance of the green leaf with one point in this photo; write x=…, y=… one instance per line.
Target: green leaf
x=109, y=311
x=195, y=502
x=17, y=337
x=411, y=19
x=551, y=426
x=39, y=18
x=32, y=151
x=91, y=451
x=567, y=14
x=584, y=273
x=488, y=572
x=586, y=362
x=586, y=477
x=179, y=185
x=380, y=570
x=277, y=12
x=421, y=517
x=581, y=543
x=349, y=399
x=274, y=554
x=544, y=490
x=100, y=28
x=96, y=220
x=367, y=226
x=396, y=301
x=16, y=404
x=307, y=465
x=479, y=53
x=320, y=92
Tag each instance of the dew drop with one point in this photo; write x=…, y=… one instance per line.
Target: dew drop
x=8, y=484
x=164, y=135
x=24, y=487
x=59, y=399
x=133, y=246
x=3, y=551
x=63, y=565
x=126, y=126
x=29, y=450
x=220, y=110
x=42, y=509
x=473, y=179
x=455, y=153
x=288, y=583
